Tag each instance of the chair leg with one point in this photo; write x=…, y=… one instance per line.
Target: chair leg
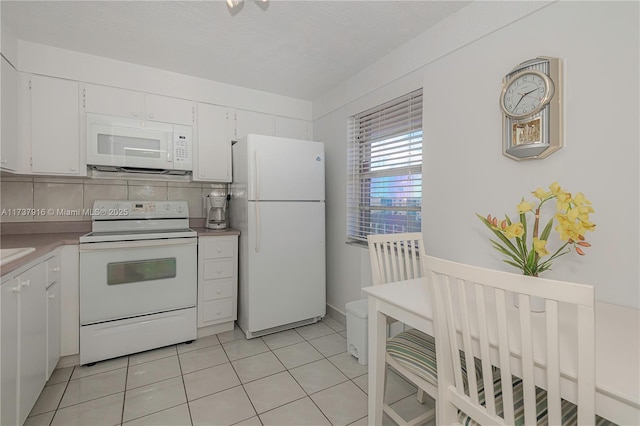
x=420, y=396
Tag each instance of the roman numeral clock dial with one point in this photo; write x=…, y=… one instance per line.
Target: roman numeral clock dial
x=530, y=103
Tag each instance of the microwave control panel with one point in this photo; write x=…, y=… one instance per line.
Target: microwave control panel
x=182, y=147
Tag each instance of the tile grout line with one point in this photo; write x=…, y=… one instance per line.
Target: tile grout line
x=184, y=386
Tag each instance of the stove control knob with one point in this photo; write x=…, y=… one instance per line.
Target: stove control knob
x=179, y=209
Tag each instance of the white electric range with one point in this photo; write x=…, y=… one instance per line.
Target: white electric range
x=138, y=278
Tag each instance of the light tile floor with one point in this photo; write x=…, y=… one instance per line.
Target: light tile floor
x=296, y=377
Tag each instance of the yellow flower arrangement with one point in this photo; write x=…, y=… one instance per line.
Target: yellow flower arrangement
x=572, y=215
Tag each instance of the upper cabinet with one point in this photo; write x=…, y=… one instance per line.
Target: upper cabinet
x=293, y=128
x=9, y=118
x=53, y=125
x=212, y=158
x=245, y=122
x=129, y=103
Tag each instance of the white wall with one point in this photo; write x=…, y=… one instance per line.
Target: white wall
x=464, y=171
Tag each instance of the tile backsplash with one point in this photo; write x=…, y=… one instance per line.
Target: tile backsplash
x=49, y=199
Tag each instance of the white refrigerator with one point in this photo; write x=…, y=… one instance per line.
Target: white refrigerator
x=277, y=204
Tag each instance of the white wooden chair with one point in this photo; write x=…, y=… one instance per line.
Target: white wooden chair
x=484, y=341
x=396, y=257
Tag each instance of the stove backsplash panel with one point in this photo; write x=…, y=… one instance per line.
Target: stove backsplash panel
x=51, y=199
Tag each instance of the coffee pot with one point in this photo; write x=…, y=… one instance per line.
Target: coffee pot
x=216, y=211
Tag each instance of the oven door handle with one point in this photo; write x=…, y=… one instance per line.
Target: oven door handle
x=111, y=245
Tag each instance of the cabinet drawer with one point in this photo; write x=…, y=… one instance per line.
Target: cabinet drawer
x=217, y=289
x=53, y=270
x=218, y=269
x=217, y=310
x=217, y=247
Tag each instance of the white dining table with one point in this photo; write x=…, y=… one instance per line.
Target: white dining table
x=617, y=340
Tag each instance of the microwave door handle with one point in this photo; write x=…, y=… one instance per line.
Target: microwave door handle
x=170, y=150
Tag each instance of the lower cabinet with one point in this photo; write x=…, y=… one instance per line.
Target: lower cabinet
x=217, y=279
x=23, y=328
x=29, y=337
x=9, y=300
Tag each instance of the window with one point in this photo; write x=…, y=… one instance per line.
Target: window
x=384, y=187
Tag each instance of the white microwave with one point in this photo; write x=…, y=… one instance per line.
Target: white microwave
x=126, y=143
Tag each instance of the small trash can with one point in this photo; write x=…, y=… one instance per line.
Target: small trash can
x=357, y=328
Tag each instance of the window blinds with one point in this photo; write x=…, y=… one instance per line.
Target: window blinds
x=384, y=188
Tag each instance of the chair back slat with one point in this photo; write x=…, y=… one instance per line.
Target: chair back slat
x=504, y=356
x=513, y=352
x=453, y=338
x=586, y=348
x=553, y=363
x=485, y=354
x=395, y=257
x=466, y=339
x=528, y=374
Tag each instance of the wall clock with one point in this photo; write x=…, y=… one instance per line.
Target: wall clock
x=532, y=110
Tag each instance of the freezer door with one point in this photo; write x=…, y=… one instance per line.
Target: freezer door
x=284, y=169
x=285, y=277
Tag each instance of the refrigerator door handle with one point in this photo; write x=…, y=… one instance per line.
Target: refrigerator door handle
x=258, y=231
x=256, y=182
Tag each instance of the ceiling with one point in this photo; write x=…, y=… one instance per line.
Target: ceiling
x=294, y=48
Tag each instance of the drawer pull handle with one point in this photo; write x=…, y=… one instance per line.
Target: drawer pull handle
x=218, y=291
x=219, y=250
x=16, y=289
x=219, y=271
x=26, y=283
x=56, y=269
x=52, y=296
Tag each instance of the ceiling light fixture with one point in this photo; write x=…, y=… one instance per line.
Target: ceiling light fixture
x=236, y=3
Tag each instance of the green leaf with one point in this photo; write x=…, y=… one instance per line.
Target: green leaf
x=506, y=252
x=499, y=234
x=547, y=230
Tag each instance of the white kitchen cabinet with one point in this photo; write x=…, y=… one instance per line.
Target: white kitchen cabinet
x=133, y=104
x=246, y=122
x=213, y=146
x=293, y=128
x=112, y=101
x=9, y=352
x=53, y=313
x=23, y=341
x=169, y=110
x=33, y=343
x=9, y=119
x=54, y=126
x=217, y=280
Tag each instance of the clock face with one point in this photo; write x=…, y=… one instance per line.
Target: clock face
x=526, y=93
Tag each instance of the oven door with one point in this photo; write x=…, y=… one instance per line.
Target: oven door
x=132, y=278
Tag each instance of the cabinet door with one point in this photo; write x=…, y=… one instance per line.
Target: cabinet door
x=112, y=101
x=55, y=140
x=253, y=122
x=33, y=339
x=9, y=356
x=169, y=110
x=213, y=147
x=293, y=128
x=9, y=118
x=53, y=327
